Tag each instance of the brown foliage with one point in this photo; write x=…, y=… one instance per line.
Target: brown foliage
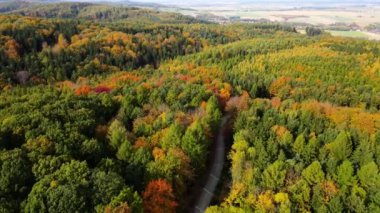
x=238, y=103
x=12, y=49
x=101, y=131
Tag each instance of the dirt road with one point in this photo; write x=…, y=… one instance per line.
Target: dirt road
x=215, y=172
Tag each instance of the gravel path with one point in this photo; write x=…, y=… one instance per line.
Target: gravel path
x=214, y=173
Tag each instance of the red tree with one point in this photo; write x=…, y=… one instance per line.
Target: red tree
x=102, y=89
x=158, y=197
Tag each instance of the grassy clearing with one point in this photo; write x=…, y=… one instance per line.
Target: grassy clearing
x=353, y=34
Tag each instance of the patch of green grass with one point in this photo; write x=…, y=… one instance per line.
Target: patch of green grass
x=353, y=34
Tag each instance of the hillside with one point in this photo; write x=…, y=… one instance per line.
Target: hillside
x=121, y=115
x=91, y=11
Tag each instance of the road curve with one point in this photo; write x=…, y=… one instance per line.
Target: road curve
x=215, y=172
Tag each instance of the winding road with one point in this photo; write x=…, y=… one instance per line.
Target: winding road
x=213, y=176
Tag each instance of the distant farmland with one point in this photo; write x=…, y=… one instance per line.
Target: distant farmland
x=361, y=15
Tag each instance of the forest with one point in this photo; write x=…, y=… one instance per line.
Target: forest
x=106, y=109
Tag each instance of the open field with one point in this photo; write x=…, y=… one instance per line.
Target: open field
x=355, y=34
x=346, y=20
x=362, y=15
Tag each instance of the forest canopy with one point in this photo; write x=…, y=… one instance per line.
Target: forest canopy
x=102, y=110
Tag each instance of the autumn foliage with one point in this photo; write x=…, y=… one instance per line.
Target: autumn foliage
x=133, y=115
x=102, y=89
x=238, y=102
x=158, y=197
x=12, y=49
x=83, y=90
x=278, y=85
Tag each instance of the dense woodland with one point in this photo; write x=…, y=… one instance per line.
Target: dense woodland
x=90, y=11
x=118, y=115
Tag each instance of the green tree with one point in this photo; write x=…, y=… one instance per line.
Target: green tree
x=65, y=189
x=300, y=194
x=356, y=200
x=317, y=202
x=132, y=198
x=335, y=204
x=311, y=150
x=65, y=198
x=48, y=165
x=15, y=176
x=39, y=147
x=213, y=112
x=312, y=31
x=299, y=145
x=369, y=177
x=194, y=143
x=117, y=134
x=345, y=174
x=173, y=137
x=105, y=185
x=274, y=175
x=341, y=148
x=313, y=174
